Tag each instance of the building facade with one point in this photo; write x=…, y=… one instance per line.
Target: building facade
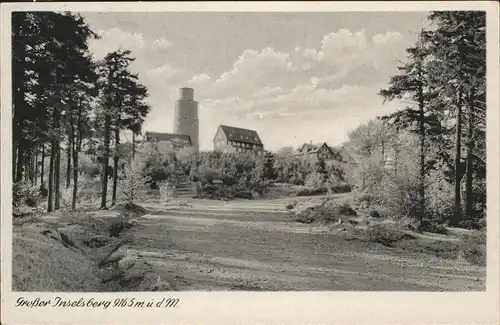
x=320, y=151
x=186, y=116
x=168, y=141
x=232, y=139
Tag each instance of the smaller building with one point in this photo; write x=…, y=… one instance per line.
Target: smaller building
x=233, y=139
x=168, y=141
x=320, y=151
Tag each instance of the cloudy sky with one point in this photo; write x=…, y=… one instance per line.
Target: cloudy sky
x=293, y=77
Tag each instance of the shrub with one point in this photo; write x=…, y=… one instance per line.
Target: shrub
x=318, y=214
x=117, y=227
x=228, y=180
x=312, y=192
x=66, y=197
x=386, y=235
x=473, y=223
x=346, y=210
x=241, y=192
x=166, y=192
x=208, y=174
x=345, y=188
x=89, y=167
x=471, y=248
x=23, y=193
x=131, y=180
x=433, y=226
x=325, y=213
x=314, y=180
x=440, y=198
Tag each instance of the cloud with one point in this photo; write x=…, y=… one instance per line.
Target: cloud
x=116, y=38
x=316, y=94
x=161, y=44
x=164, y=72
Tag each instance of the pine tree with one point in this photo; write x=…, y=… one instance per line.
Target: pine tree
x=458, y=44
x=412, y=86
x=124, y=108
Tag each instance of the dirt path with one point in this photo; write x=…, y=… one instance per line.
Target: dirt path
x=253, y=245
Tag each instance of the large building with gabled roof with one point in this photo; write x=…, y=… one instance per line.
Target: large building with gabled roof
x=321, y=151
x=233, y=139
x=168, y=141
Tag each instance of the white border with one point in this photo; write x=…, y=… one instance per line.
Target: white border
x=265, y=307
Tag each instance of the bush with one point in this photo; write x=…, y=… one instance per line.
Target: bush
x=433, y=226
x=346, y=210
x=311, y=192
x=66, y=197
x=240, y=192
x=208, y=175
x=471, y=248
x=386, y=235
x=131, y=181
x=117, y=227
x=336, y=185
x=325, y=213
x=314, y=180
x=345, y=188
x=228, y=180
x=218, y=192
x=23, y=193
x=166, y=192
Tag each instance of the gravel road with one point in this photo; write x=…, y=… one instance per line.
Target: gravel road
x=254, y=245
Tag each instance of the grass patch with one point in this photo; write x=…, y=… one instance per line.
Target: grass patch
x=325, y=213
x=65, y=253
x=43, y=264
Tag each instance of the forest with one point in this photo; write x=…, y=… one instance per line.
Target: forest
x=427, y=161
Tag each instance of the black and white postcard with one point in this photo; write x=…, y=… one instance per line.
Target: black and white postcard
x=242, y=162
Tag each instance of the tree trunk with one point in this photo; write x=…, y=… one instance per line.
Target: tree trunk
x=421, y=132
x=32, y=169
x=76, y=147
x=116, y=158
x=383, y=153
x=42, y=167
x=57, y=161
x=24, y=170
x=458, y=147
x=133, y=145
x=51, y=176
x=14, y=158
x=470, y=155
x=19, y=164
x=57, y=176
x=107, y=123
x=68, y=163
x=36, y=168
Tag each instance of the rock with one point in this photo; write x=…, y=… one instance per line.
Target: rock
x=161, y=286
x=97, y=241
x=374, y=214
x=127, y=261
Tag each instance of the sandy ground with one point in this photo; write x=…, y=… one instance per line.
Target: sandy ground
x=254, y=245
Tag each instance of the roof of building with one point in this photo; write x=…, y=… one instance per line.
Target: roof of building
x=312, y=148
x=241, y=135
x=156, y=136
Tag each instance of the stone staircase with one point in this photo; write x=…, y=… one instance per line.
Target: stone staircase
x=183, y=186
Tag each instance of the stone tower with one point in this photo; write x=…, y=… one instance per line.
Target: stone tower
x=186, y=116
